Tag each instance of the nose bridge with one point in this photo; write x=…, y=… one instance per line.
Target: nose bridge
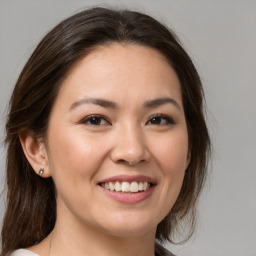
x=130, y=146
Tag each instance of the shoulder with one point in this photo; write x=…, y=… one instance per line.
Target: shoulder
x=161, y=251
x=23, y=252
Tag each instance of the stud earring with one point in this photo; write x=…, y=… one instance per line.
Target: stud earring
x=41, y=171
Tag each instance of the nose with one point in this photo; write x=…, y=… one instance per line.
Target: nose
x=130, y=147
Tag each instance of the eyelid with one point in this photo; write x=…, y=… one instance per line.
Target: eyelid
x=170, y=120
x=89, y=117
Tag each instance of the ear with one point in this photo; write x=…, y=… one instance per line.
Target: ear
x=35, y=152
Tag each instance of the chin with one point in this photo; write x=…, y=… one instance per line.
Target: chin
x=130, y=225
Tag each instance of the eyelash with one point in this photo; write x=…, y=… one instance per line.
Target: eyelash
x=96, y=120
x=168, y=120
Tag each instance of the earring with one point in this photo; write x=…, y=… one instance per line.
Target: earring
x=41, y=171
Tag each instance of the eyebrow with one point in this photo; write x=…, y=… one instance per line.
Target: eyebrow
x=161, y=101
x=100, y=102
x=110, y=104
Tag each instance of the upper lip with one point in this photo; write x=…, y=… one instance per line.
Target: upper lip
x=129, y=178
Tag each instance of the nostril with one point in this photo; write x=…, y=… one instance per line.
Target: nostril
x=121, y=161
x=130, y=163
x=136, y=162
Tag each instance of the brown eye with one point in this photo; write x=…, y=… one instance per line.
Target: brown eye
x=160, y=120
x=95, y=120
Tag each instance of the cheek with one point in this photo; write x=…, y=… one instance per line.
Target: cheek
x=74, y=160
x=73, y=155
x=172, y=154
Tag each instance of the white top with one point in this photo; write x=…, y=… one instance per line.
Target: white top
x=23, y=252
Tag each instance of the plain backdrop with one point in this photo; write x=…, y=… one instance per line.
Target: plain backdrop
x=220, y=36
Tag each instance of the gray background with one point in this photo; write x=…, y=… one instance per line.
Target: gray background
x=220, y=36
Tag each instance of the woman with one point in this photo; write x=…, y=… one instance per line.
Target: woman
x=107, y=142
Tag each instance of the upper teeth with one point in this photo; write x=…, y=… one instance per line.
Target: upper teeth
x=126, y=186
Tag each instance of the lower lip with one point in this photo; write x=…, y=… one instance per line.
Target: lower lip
x=129, y=198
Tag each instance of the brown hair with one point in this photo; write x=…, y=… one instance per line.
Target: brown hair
x=31, y=207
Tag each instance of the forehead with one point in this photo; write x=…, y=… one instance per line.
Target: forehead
x=121, y=70
x=121, y=55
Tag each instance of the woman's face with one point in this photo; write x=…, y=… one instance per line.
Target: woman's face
x=117, y=142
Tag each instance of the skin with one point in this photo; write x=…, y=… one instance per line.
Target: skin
x=126, y=140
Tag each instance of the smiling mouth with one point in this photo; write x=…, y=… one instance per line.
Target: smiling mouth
x=127, y=187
